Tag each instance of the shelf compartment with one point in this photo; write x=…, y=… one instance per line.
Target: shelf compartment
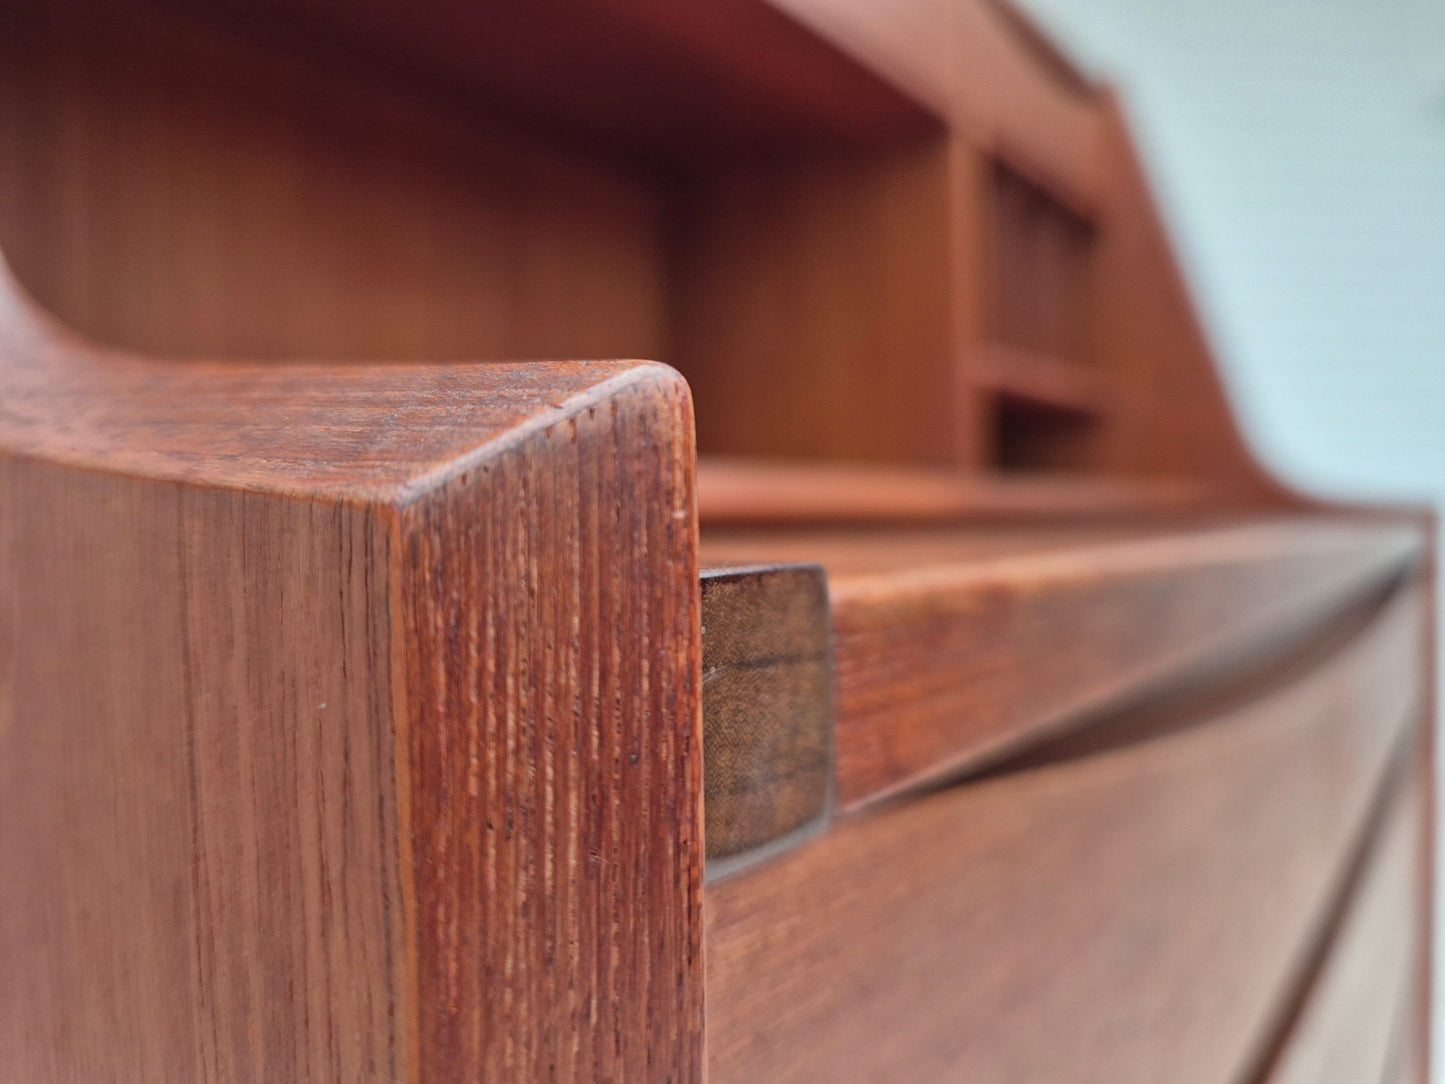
x=1041, y=251
x=721, y=189
x=1042, y=380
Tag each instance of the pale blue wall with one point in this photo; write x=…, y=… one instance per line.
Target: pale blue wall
x=1298, y=149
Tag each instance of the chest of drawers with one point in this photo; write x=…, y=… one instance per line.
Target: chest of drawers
x=914, y=678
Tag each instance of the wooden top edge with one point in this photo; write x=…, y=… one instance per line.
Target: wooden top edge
x=1241, y=595
x=347, y=431
x=891, y=563
x=742, y=491
x=1391, y=546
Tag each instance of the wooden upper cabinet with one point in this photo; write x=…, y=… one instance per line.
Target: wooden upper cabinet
x=907, y=234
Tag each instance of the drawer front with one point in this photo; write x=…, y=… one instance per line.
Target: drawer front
x=1143, y=912
x=1360, y=1017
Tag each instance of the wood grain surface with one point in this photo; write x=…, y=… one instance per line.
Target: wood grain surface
x=548, y=620
x=1362, y=1006
x=632, y=79
x=810, y=207
x=348, y=720
x=813, y=312
x=952, y=652
x=767, y=705
x=1139, y=914
x=198, y=807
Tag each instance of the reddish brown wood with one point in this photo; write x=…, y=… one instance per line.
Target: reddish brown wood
x=1041, y=379
x=634, y=78
x=1138, y=914
x=350, y=720
x=1039, y=273
x=1362, y=1006
x=813, y=227
x=952, y=652
x=181, y=190
x=976, y=70
x=814, y=306
x=773, y=493
x=348, y=714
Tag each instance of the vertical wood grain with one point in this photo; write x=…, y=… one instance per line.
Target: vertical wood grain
x=551, y=673
x=197, y=815
x=814, y=308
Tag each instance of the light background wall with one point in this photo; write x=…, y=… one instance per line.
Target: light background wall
x=1297, y=148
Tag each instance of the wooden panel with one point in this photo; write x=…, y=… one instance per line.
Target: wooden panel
x=176, y=189
x=1039, y=285
x=913, y=43
x=814, y=307
x=197, y=797
x=1040, y=378
x=1044, y=123
x=767, y=718
x=338, y=712
x=972, y=66
x=951, y=652
x=1140, y=914
x=632, y=78
x=379, y=433
x=1363, y=1004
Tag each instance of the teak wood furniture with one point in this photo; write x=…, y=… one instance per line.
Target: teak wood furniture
x=973, y=708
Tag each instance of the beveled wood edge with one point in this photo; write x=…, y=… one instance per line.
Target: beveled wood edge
x=644, y=653
x=218, y=424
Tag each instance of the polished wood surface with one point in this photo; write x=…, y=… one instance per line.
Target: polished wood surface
x=953, y=649
x=1138, y=914
x=815, y=308
x=1358, y=1012
x=353, y=723
x=300, y=712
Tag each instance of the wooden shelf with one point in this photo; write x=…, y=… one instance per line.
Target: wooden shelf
x=1040, y=379
x=800, y=491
